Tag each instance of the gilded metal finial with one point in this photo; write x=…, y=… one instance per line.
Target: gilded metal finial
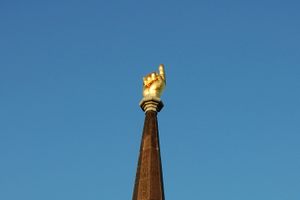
x=154, y=83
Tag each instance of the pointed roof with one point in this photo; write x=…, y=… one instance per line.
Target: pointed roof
x=149, y=177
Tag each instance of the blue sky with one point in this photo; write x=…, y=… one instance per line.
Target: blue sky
x=70, y=83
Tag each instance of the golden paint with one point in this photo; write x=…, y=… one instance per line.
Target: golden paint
x=154, y=83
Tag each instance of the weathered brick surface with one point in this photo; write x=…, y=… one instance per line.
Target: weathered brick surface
x=149, y=178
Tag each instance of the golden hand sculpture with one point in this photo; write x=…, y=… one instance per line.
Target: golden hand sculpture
x=154, y=83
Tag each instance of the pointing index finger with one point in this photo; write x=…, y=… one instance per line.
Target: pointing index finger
x=161, y=69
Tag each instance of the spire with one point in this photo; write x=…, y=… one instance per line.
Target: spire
x=149, y=177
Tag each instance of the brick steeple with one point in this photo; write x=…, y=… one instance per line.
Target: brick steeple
x=149, y=177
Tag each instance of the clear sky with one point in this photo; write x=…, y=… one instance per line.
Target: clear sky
x=70, y=83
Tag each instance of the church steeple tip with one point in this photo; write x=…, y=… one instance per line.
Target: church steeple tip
x=149, y=177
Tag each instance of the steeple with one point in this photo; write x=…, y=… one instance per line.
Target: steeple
x=149, y=177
